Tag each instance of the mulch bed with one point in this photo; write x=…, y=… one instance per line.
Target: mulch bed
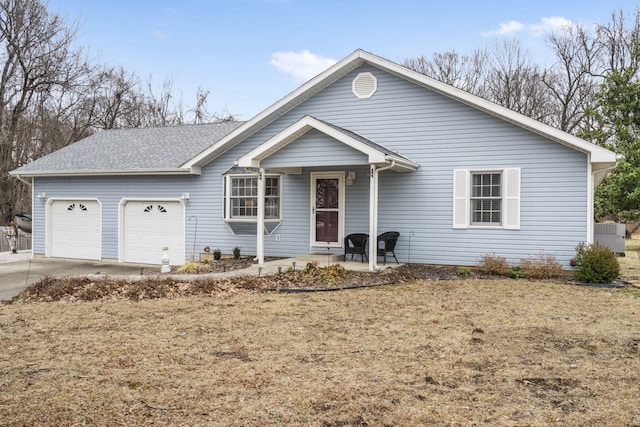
x=154, y=287
x=85, y=288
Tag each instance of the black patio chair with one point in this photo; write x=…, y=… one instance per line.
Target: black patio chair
x=356, y=243
x=388, y=240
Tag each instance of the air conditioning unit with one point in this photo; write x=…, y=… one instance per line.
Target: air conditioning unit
x=610, y=236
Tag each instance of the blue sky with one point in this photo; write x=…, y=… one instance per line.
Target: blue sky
x=250, y=53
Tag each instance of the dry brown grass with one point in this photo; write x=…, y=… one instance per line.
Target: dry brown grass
x=459, y=352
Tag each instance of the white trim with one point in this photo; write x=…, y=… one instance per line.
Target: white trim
x=373, y=218
x=462, y=218
x=511, y=188
x=366, y=75
x=262, y=178
x=590, y=200
x=461, y=200
x=341, y=209
x=194, y=170
x=359, y=57
x=253, y=158
x=226, y=197
x=373, y=214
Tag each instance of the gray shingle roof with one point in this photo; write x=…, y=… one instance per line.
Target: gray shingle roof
x=131, y=150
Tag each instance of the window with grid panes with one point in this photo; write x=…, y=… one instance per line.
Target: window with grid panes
x=243, y=197
x=486, y=198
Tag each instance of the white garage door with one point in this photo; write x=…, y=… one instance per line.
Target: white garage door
x=75, y=229
x=150, y=226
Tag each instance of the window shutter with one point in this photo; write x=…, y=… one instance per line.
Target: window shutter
x=512, y=199
x=461, y=208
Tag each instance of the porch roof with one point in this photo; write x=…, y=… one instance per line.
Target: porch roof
x=376, y=153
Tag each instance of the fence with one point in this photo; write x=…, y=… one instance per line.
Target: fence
x=23, y=240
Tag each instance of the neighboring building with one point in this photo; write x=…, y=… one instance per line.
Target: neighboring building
x=365, y=147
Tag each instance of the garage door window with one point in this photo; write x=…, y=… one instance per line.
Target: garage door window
x=80, y=206
x=155, y=208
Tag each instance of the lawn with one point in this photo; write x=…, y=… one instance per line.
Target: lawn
x=442, y=352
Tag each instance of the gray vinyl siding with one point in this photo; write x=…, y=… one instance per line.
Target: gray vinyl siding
x=439, y=134
x=315, y=149
x=110, y=191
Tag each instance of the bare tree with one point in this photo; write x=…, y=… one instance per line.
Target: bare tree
x=515, y=82
x=571, y=79
x=36, y=57
x=618, y=40
x=466, y=72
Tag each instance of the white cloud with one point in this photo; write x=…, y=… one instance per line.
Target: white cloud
x=549, y=25
x=301, y=65
x=545, y=26
x=505, y=28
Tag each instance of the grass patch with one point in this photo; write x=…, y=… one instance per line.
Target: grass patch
x=447, y=351
x=458, y=352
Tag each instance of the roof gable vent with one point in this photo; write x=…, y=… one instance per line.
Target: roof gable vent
x=364, y=85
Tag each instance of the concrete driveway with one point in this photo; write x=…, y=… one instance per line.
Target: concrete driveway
x=19, y=270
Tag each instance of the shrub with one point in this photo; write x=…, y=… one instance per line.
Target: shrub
x=595, y=264
x=464, y=271
x=236, y=252
x=541, y=266
x=493, y=264
x=217, y=254
x=313, y=273
x=516, y=272
x=190, y=268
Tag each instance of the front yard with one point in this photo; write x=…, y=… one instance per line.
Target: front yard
x=431, y=352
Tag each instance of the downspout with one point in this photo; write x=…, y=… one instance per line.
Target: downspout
x=373, y=214
x=590, y=200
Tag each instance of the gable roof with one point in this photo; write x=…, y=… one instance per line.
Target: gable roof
x=185, y=149
x=376, y=153
x=600, y=158
x=157, y=150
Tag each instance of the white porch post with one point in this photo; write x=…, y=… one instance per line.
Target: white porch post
x=260, y=225
x=373, y=217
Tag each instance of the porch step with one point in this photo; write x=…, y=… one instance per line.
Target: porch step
x=321, y=258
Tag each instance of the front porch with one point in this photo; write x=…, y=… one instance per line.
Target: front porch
x=325, y=157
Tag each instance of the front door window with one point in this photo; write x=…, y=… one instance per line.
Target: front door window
x=327, y=211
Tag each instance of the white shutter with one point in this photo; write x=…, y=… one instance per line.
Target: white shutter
x=512, y=199
x=461, y=208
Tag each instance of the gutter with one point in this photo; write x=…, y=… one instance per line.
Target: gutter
x=29, y=183
x=181, y=171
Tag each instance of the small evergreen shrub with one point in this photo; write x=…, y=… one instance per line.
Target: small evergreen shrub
x=541, y=266
x=595, y=264
x=493, y=265
x=217, y=254
x=236, y=252
x=516, y=272
x=464, y=271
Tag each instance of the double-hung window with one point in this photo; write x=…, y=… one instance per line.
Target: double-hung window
x=241, y=197
x=486, y=198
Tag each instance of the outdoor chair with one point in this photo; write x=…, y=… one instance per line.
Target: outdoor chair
x=356, y=243
x=387, y=245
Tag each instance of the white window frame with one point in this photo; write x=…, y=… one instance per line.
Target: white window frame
x=510, y=194
x=491, y=198
x=227, y=198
